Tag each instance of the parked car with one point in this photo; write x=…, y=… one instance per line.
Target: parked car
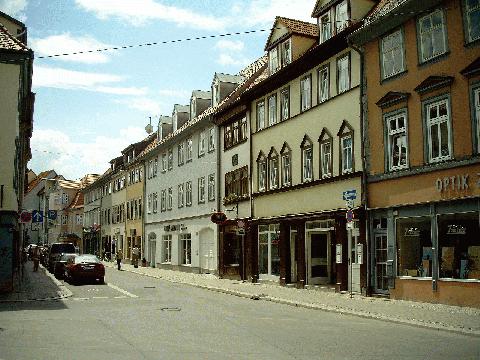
x=56, y=250
x=84, y=267
x=59, y=267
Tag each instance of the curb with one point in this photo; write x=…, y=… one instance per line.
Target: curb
x=338, y=310
x=63, y=292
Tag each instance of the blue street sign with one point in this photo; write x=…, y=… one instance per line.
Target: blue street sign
x=52, y=214
x=37, y=216
x=350, y=195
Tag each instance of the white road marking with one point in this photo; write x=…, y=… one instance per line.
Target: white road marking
x=120, y=297
x=122, y=291
x=99, y=297
x=80, y=299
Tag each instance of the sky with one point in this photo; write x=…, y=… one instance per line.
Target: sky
x=89, y=107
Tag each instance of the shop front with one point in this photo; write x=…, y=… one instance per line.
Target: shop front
x=232, y=242
x=430, y=252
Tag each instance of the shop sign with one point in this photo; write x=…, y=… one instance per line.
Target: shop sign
x=456, y=230
x=338, y=254
x=176, y=227
x=218, y=217
x=240, y=231
x=456, y=182
x=412, y=231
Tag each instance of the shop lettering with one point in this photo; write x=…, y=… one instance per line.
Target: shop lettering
x=412, y=231
x=456, y=230
x=457, y=182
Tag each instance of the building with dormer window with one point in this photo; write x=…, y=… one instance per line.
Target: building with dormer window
x=306, y=152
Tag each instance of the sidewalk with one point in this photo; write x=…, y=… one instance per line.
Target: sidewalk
x=36, y=286
x=463, y=320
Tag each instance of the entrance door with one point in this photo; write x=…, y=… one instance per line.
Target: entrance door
x=381, y=279
x=318, y=258
x=152, y=251
x=353, y=261
x=207, y=247
x=293, y=258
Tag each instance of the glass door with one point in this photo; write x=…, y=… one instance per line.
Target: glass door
x=318, y=258
x=269, y=251
x=381, y=278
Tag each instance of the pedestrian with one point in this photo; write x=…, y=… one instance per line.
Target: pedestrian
x=36, y=257
x=119, y=257
x=135, y=256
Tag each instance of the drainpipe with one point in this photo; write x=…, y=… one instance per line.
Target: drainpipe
x=219, y=169
x=364, y=159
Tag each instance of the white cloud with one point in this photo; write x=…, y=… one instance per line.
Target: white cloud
x=226, y=60
x=141, y=11
x=263, y=12
x=78, y=80
x=146, y=105
x=175, y=93
x=67, y=44
x=54, y=149
x=14, y=8
x=232, y=45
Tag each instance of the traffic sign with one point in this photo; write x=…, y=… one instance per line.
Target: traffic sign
x=37, y=216
x=36, y=226
x=52, y=214
x=350, y=195
x=25, y=216
x=349, y=215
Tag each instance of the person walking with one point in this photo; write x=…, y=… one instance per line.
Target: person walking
x=135, y=256
x=36, y=257
x=119, y=257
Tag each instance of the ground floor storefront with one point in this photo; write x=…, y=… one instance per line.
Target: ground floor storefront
x=303, y=250
x=185, y=244
x=9, y=249
x=427, y=252
x=92, y=243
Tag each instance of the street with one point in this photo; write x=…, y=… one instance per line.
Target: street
x=138, y=317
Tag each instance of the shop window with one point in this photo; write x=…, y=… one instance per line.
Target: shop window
x=167, y=249
x=414, y=247
x=269, y=250
x=186, y=246
x=232, y=245
x=459, y=246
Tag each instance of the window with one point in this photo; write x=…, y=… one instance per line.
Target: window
x=286, y=52
x=307, y=168
x=305, y=93
x=392, y=54
x=186, y=248
x=243, y=129
x=472, y=20
x=201, y=190
x=262, y=173
x=170, y=159
x=397, y=141
x=323, y=84
x=189, y=149
x=260, y=115
x=163, y=200
x=273, y=169
x=64, y=198
x=341, y=16
x=188, y=193
x=201, y=144
x=269, y=250
x=64, y=219
x=167, y=249
x=286, y=163
x=285, y=104
x=432, y=38
x=170, y=199
x=155, y=167
x=272, y=110
x=235, y=132
x=155, y=202
x=326, y=154
x=211, y=139
x=180, y=195
x=438, y=130
x=164, y=162
x=181, y=153
x=273, y=60
x=325, y=27
x=476, y=115
x=149, y=203
x=211, y=187
x=346, y=144
x=343, y=74
x=236, y=182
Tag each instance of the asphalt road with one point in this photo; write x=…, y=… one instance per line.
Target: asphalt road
x=137, y=317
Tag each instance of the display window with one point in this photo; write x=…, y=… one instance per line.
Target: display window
x=414, y=247
x=459, y=246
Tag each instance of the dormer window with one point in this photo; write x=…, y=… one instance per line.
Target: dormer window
x=341, y=16
x=325, y=25
x=286, y=52
x=215, y=93
x=273, y=60
x=193, y=110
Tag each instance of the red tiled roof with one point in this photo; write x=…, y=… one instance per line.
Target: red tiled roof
x=37, y=180
x=77, y=201
x=9, y=42
x=294, y=27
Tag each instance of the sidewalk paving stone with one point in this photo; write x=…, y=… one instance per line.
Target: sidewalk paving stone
x=464, y=320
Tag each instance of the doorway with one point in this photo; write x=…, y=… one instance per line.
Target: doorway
x=293, y=257
x=318, y=257
x=207, y=251
x=355, y=259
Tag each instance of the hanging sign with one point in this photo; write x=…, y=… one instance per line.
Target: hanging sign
x=218, y=217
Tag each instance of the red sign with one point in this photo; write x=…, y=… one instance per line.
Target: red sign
x=25, y=216
x=218, y=218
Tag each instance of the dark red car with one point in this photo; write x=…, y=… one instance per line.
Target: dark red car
x=84, y=267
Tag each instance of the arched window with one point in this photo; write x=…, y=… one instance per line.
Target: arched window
x=307, y=159
x=261, y=172
x=326, y=154
x=286, y=165
x=273, y=169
